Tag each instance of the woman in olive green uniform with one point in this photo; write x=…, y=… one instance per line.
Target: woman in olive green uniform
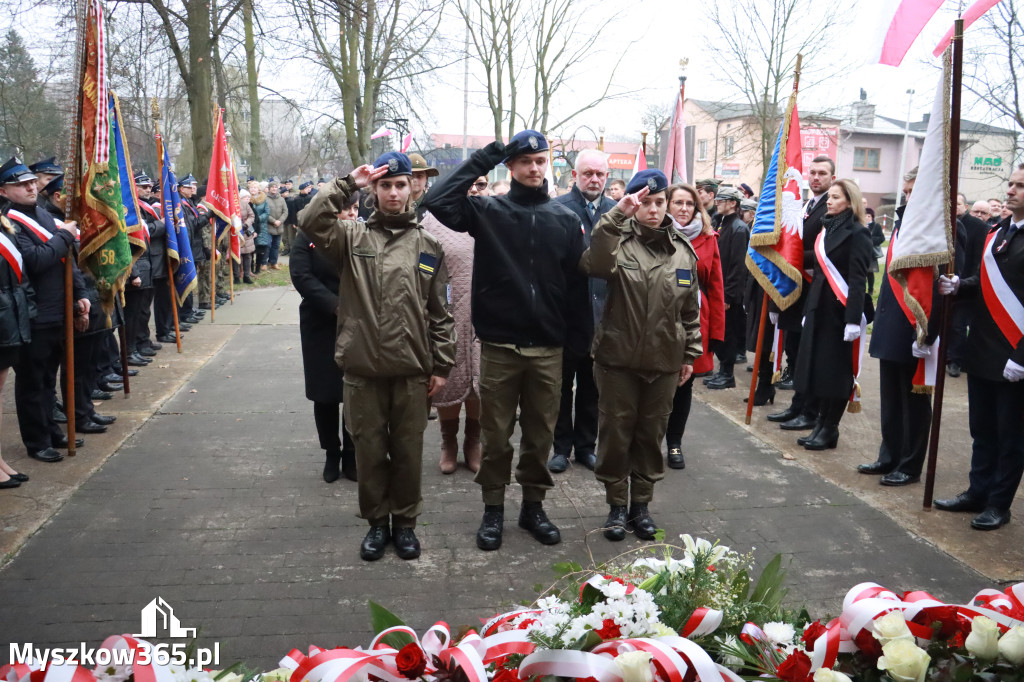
x=396, y=340
x=644, y=347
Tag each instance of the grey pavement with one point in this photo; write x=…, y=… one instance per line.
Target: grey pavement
x=216, y=504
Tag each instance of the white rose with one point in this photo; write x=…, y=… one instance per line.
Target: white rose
x=890, y=627
x=904, y=661
x=1011, y=645
x=635, y=666
x=983, y=642
x=829, y=675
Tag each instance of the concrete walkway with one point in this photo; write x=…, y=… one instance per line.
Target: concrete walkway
x=215, y=504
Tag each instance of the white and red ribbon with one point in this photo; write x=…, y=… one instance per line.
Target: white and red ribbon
x=30, y=224
x=841, y=289
x=1002, y=303
x=11, y=254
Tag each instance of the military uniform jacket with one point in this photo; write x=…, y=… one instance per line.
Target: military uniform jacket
x=987, y=348
x=393, y=312
x=651, y=319
x=733, y=238
x=16, y=299
x=198, y=222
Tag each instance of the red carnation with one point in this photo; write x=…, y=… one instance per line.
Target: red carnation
x=609, y=630
x=796, y=668
x=410, y=661
x=506, y=675
x=812, y=633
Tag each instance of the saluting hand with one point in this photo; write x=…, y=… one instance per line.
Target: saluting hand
x=366, y=174
x=630, y=203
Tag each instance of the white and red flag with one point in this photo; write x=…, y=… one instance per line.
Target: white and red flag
x=924, y=240
x=640, y=162
x=898, y=23
x=675, y=154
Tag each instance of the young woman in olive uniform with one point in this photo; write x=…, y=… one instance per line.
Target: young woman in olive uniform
x=644, y=347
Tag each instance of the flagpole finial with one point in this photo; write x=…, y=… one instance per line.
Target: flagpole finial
x=155, y=106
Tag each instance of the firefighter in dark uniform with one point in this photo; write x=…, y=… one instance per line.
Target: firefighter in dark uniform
x=396, y=343
x=644, y=347
x=197, y=219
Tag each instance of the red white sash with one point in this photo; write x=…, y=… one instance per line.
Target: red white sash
x=841, y=289
x=11, y=254
x=1004, y=305
x=927, y=367
x=30, y=224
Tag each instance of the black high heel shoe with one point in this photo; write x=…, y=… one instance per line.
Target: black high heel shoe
x=761, y=399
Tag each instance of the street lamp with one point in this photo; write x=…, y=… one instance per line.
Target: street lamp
x=903, y=156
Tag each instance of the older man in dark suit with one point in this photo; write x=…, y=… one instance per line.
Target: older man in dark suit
x=576, y=431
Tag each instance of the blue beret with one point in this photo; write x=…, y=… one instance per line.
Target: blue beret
x=14, y=171
x=306, y=184
x=397, y=163
x=271, y=179
x=48, y=166
x=652, y=178
x=526, y=142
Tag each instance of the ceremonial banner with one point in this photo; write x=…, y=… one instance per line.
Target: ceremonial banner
x=135, y=226
x=178, y=246
x=973, y=13
x=222, y=188
x=675, y=155
x=105, y=251
x=925, y=240
x=775, y=256
x=640, y=163
x=895, y=25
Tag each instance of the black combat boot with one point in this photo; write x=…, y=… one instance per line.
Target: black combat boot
x=615, y=525
x=533, y=519
x=374, y=543
x=640, y=521
x=488, y=537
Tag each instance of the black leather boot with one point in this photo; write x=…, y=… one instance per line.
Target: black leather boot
x=331, y=466
x=640, y=521
x=803, y=440
x=374, y=543
x=725, y=378
x=828, y=436
x=533, y=519
x=488, y=537
x=348, y=465
x=615, y=525
x=406, y=545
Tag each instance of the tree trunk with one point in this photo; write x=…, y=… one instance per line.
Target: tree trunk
x=200, y=91
x=255, y=143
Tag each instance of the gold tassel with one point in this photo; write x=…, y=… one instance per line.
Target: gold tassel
x=923, y=390
x=853, y=407
x=776, y=377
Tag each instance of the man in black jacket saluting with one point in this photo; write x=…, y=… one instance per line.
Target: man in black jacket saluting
x=525, y=273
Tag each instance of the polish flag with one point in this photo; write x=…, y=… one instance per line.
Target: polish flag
x=407, y=141
x=641, y=160
x=897, y=25
x=972, y=14
x=380, y=132
x=675, y=155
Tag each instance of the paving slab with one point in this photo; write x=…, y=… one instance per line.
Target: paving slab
x=216, y=505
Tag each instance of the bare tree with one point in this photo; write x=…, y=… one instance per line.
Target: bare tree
x=368, y=50
x=757, y=42
x=550, y=40
x=654, y=119
x=994, y=65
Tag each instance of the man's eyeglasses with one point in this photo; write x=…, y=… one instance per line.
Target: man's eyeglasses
x=480, y=185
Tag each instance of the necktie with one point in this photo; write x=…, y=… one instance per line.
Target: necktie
x=592, y=209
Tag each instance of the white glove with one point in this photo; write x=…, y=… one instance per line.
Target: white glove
x=851, y=332
x=920, y=351
x=774, y=317
x=1013, y=371
x=948, y=285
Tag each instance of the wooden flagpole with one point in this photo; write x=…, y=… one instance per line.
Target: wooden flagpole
x=759, y=346
x=167, y=254
x=946, y=301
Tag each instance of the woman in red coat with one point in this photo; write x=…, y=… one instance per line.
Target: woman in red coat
x=692, y=220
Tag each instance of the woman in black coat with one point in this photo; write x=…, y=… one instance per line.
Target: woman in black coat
x=832, y=331
x=317, y=282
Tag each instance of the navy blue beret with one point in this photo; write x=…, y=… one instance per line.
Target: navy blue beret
x=306, y=184
x=397, y=163
x=652, y=178
x=526, y=142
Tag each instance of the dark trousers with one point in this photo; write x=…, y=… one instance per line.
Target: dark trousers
x=163, y=316
x=577, y=430
x=997, y=427
x=108, y=359
x=88, y=350
x=906, y=418
x=806, y=404
x=275, y=247
x=680, y=414
x=261, y=258
x=137, y=303
x=34, y=377
x=735, y=338
x=329, y=423
x=958, y=324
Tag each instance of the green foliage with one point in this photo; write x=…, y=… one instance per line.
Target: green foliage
x=381, y=619
x=28, y=120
